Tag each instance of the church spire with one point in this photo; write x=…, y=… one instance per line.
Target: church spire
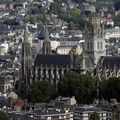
x=25, y=33
x=25, y=27
x=26, y=57
x=46, y=34
x=46, y=42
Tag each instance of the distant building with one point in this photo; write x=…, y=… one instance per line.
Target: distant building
x=3, y=48
x=107, y=21
x=6, y=84
x=18, y=105
x=12, y=95
x=89, y=7
x=68, y=100
x=64, y=50
x=4, y=6
x=53, y=114
x=112, y=33
x=84, y=112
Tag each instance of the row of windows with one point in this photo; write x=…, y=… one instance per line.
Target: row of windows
x=99, y=45
x=64, y=51
x=50, y=118
x=90, y=45
x=5, y=87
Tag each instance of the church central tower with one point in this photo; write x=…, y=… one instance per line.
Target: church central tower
x=94, y=40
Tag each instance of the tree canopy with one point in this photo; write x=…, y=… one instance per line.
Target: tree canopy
x=116, y=20
x=94, y=116
x=70, y=15
x=80, y=86
x=3, y=116
x=110, y=88
x=41, y=91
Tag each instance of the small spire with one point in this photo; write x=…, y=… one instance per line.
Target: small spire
x=46, y=42
x=25, y=33
x=46, y=39
x=25, y=27
x=46, y=34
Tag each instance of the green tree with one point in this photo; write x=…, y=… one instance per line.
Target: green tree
x=40, y=18
x=32, y=20
x=108, y=26
x=116, y=20
x=75, y=12
x=56, y=7
x=41, y=91
x=26, y=19
x=94, y=116
x=3, y=116
x=67, y=85
x=80, y=86
x=71, y=15
x=71, y=26
x=21, y=89
x=110, y=88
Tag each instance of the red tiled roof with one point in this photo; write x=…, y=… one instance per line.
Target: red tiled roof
x=106, y=20
x=19, y=103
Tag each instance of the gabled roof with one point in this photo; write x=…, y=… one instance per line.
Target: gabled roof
x=56, y=60
x=50, y=111
x=5, y=57
x=110, y=62
x=4, y=80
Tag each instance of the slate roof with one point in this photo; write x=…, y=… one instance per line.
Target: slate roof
x=2, y=101
x=65, y=98
x=87, y=109
x=56, y=60
x=110, y=62
x=49, y=111
x=4, y=80
x=18, y=115
x=56, y=103
x=5, y=57
x=65, y=46
x=4, y=28
x=117, y=5
x=74, y=39
x=41, y=34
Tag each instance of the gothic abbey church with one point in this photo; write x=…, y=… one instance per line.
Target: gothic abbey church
x=50, y=66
